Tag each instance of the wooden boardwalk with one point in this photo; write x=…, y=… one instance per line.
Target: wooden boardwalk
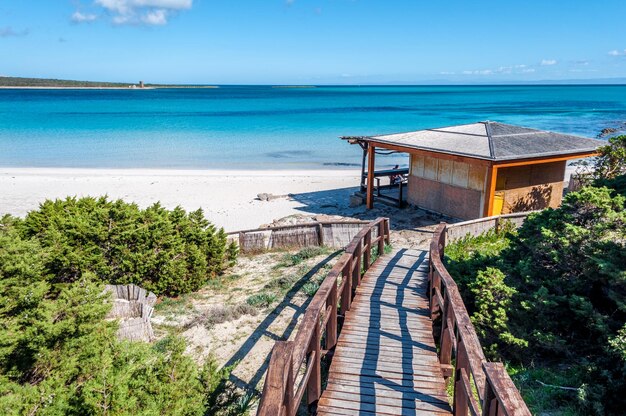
x=385, y=361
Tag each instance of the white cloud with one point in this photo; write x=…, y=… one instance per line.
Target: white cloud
x=615, y=52
x=156, y=17
x=150, y=12
x=79, y=17
x=501, y=70
x=548, y=62
x=478, y=72
x=504, y=70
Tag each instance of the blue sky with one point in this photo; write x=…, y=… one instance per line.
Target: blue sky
x=313, y=41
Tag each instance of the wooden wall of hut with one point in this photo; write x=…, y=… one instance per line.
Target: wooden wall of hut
x=451, y=187
x=531, y=187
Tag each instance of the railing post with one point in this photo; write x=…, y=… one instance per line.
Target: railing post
x=434, y=286
x=442, y=242
x=490, y=404
x=314, y=386
x=387, y=231
x=367, y=247
x=446, y=339
x=356, y=273
x=381, y=238
x=331, y=324
x=278, y=389
x=346, y=295
x=501, y=395
x=460, y=407
x=289, y=399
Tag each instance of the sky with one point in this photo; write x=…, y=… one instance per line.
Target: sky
x=313, y=41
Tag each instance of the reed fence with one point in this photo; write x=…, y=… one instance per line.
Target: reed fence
x=331, y=234
x=481, y=225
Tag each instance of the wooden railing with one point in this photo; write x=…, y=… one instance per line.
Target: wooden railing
x=480, y=387
x=295, y=366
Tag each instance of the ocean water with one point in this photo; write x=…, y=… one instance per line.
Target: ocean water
x=261, y=127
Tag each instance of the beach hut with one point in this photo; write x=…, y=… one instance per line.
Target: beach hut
x=477, y=170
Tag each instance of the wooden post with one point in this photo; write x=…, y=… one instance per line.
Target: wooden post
x=490, y=190
x=320, y=231
x=278, y=388
x=381, y=238
x=490, y=404
x=331, y=324
x=461, y=401
x=387, y=231
x=368, y=250
x=364, y=146
x=357, y=267
x=371, y=152
x=314, y=386
x=346, y=295
x=289, y=399
x=435, y=284
x=460, y=405
x=447, y=326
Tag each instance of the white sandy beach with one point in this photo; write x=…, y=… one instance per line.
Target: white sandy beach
x=228, y=198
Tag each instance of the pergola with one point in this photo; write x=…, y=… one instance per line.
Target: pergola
x=488, y=146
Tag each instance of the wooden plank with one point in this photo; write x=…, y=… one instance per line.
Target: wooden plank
x=374, y=308
x=418, y=333
x=394, y=367
x=387, y=349
x=361, y=396
x=412, y=379
x=380, y=409
x=357, y=380
x=505, y=392
x=386, y=326
x=373, y=388
x=357, y=353
x=385, y=360
x=387, y=342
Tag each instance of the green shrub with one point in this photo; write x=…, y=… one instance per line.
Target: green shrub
x=261, y=300
x=59, y=356
x=306, y=253
x=492, y=300
x=553, y=295
x=310, y=288
x=164, y=251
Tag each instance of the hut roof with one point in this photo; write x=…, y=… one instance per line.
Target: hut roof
x=491, y=140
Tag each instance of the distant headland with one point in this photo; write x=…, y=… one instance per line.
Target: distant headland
x=44, y=83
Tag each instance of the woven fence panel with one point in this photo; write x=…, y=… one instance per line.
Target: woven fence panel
x=307, y=236
x=133, y=307
x=340, y=235
x=255, y=241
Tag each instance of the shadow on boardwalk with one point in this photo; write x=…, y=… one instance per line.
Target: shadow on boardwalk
x=386, y=359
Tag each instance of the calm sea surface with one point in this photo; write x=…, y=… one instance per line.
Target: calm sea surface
x=260, y=127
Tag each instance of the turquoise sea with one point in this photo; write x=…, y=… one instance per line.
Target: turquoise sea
x=261, y=127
